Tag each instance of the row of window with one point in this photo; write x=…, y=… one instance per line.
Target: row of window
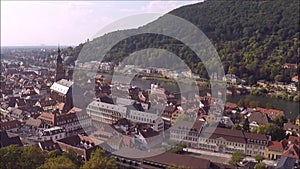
x=222, y=142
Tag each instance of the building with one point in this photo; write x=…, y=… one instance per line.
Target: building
x=7, y=141
x=48, y=145
x=291, y=128
x=298, y=120
x=69, y=122
x=275, y=149
x=83, y=146
x=256, y=143
x=257, y=118
x=105, y=112
x=164, y=160
x=8, y=125
x=222, y=140
x=61, y=92
x=187, y=132
x=230, y=141
x=53, y=133
x=18, y=114
x=154, y=120
x=146, y=137
x=60, y=72
x=109, y=113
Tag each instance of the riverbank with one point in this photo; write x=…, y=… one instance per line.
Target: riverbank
x=291, y=109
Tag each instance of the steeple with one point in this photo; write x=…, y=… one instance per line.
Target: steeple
x=59, y=59
x=60, y=72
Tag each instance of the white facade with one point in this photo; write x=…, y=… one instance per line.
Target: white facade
x=105, y=112
x=53, y=133
x=149, y=118
x=110, y=113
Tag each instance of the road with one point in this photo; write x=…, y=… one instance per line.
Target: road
x=222, y=157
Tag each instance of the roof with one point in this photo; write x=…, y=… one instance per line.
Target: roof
x=17, y=111
x=291, y=127
x=298, y=117
x=286, y=163
x=61, y=86
x=47, y=116
x=230, y=105
x=293, y=151
x=258, y=117
x=78, y=141
x=49, y=145
x=52, y=131
x=276, y=145
x=188, y=125
x=10, y=124
x=33, y=122
x=146, y=131
x=294, y=140
x=255, y=136
x=270, y=112
x=222, y=133
x=170, y=159
x=6, y=141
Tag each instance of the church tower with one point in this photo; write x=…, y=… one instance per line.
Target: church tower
x=60, y=72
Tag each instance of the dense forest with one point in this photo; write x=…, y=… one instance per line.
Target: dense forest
x=253, y=38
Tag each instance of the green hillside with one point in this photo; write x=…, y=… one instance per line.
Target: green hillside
x=253, y=38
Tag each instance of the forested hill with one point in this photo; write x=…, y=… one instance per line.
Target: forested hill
x=253, y=38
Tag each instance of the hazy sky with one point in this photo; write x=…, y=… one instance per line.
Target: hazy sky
x=68, y=22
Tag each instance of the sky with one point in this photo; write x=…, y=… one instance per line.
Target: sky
x=28, y=23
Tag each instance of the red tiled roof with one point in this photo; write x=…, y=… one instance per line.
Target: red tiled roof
x=294, y=140
x=179, y=160
x=47, y=116
x=293, y=152
x=10, y=124
x=278, y=145
x=230, y=105
x=273, y=112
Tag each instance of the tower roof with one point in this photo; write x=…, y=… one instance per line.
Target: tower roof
x=59, y=58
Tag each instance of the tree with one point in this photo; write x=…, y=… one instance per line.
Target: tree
x=276, y=132
x=54, y=153
x=177, y=148
x=59, y=162
x=10, y=157
x=98, y=160
x=241, y=103
x=31, y=157
x=280, y=120
x=259, y=158
x=278, y=78
x=260, y=166
x=236, y=158
x=245, y=125
x=71, y=154
x=236, y=127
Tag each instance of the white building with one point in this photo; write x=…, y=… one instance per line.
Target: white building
x=105, y=112
x=154, y=120
x=110, y=113
x=53, y=133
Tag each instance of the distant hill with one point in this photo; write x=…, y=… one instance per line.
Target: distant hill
x=253, y=38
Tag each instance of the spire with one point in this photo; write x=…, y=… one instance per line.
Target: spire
x=60, y=72
x=59, y=59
